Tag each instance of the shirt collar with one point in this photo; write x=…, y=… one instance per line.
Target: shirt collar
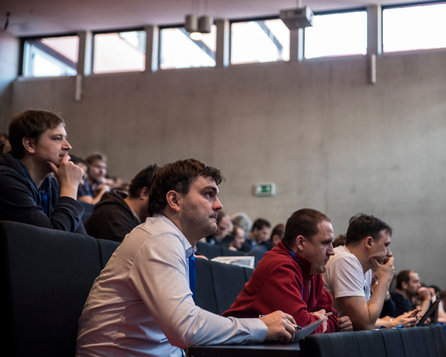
x=187, y=246
x=303, y=263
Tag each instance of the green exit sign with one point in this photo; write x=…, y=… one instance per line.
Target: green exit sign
x=265, y=189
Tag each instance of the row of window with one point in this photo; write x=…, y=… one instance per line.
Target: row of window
x=410, y=27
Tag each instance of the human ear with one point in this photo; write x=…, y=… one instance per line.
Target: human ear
x=144, y=193
x=369, y=242
x=28, y=144
x=173, y=200
x=300, y=241
x=404, y=285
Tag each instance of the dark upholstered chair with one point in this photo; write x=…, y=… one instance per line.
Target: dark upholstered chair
x=88, y=209
x=204, y=288
x=228, y=282
x=47, y=275
x=405, y=342
x=218, y=284
x=211, y=250
x=330, y=344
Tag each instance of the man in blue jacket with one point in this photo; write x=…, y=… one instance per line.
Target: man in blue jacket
x=29, y=193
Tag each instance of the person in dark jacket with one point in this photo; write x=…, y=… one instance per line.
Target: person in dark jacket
x=117, y=213
x=38, y=182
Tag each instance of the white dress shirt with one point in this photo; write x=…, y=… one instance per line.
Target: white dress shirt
x=141, y=303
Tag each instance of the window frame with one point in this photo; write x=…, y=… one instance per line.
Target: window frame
x=25, y=39
x=405, y=5
x=160, y=44
x=116, y=30
x=333, y=12
x=249, y=19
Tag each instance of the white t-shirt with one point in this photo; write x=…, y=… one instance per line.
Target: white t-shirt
x=345, y=276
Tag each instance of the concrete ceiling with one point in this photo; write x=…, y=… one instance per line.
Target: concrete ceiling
x=42, y=17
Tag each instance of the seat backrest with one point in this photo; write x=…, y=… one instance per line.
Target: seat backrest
x=420, y=341
x=393, y=342
x=211, y=250
x=208, y=250
x=218, y=284
x=106, y=250
x=88, y=209
x=48, y=275
x=228, y=283
x=415, y=341
x=370, y=343
x=204, y=286
x=330, y=345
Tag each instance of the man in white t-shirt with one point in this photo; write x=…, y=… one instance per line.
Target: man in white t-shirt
x=349, y=272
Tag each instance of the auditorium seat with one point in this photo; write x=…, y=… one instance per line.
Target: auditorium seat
x=211, y=250
x=427, y=341
x=47, y=275
x=218, y=284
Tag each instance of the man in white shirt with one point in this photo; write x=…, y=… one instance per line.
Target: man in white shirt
x=141, y=304
x=349, y=272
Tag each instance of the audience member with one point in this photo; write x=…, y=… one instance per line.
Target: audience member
x=241, y=219
x=349, y=273
x=224, y=226
x=237, y=238
x=28, y=191
x=289, y=276
x=276, y=236
x=117, y=213
x=339, y=240
x=3, y=141
x=95, y=185
x=408, y=287
x=442, y=306
x=114, y=182
x=84, y=166
x=387, y=317
x=142, y=302
x=259, y=232
x=3, y=137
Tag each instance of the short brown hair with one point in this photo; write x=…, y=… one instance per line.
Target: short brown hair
x=303, y=222
x=95, y=157
x=30, y=124
x=364, y=225
x=403, y=277
x=177, y=176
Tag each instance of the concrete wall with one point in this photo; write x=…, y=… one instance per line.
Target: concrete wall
x=327, y=138
x=9, y=58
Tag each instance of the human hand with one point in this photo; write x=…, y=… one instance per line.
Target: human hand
x=67, y=172
x=345, y=324
x=280, y=326
x=424, y=293
x=384, y=271
x=103, y=188
x=321, y=314
x=407, y=319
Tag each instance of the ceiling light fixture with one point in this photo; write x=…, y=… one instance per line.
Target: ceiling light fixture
x=197, y=26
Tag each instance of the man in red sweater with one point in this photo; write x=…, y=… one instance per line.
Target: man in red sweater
x=289, y=276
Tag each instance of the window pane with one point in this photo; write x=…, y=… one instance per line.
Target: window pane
x=339, y=34
x=119, y=52
x=414, y=27
x=51, y=56
x=178, y=50
x=259, y=41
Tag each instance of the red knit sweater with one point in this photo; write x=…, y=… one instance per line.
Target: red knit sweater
x=281, y=282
